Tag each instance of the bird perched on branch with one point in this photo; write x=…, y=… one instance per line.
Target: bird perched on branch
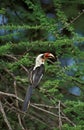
x=35, y=76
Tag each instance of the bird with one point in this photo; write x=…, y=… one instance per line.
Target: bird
x=35, y=75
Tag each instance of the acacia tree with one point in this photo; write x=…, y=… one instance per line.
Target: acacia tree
x=27, y=28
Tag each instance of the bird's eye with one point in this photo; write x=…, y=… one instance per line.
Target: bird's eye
x=42, y=56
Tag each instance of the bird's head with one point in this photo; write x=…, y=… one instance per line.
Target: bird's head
x=48, y=55
x=40, y=59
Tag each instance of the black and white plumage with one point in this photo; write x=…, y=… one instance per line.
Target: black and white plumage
x=35, y=76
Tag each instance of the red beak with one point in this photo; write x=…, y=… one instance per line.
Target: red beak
x=49, y=55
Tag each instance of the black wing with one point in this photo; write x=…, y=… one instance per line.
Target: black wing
x=36, y=75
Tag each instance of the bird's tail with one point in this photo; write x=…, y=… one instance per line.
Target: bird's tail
x=27, y=98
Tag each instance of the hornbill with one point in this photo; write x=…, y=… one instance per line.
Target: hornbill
x=35, y=76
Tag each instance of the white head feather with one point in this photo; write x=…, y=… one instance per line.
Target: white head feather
x=39, y=61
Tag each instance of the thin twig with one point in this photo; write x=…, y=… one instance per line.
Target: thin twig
x=74, y=19
x=20, y=122
x=10, y=95
x=51, y=113
x=19, y=117
x=44, y=105
x=15, y=59
x=60, y=120
x=77, y=17
x=5, y=117
x=39, y=120
x=72, y=123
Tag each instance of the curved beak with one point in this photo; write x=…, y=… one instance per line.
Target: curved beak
x=51, y=56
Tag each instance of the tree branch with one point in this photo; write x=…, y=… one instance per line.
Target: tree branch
x=60, y=121
x=10, y=95
x=44, y=105
x=15, y=59
x=4, y=116
x=38, y=108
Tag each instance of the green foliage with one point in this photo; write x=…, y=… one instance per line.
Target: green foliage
x=66, y=127
x=24, y=33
